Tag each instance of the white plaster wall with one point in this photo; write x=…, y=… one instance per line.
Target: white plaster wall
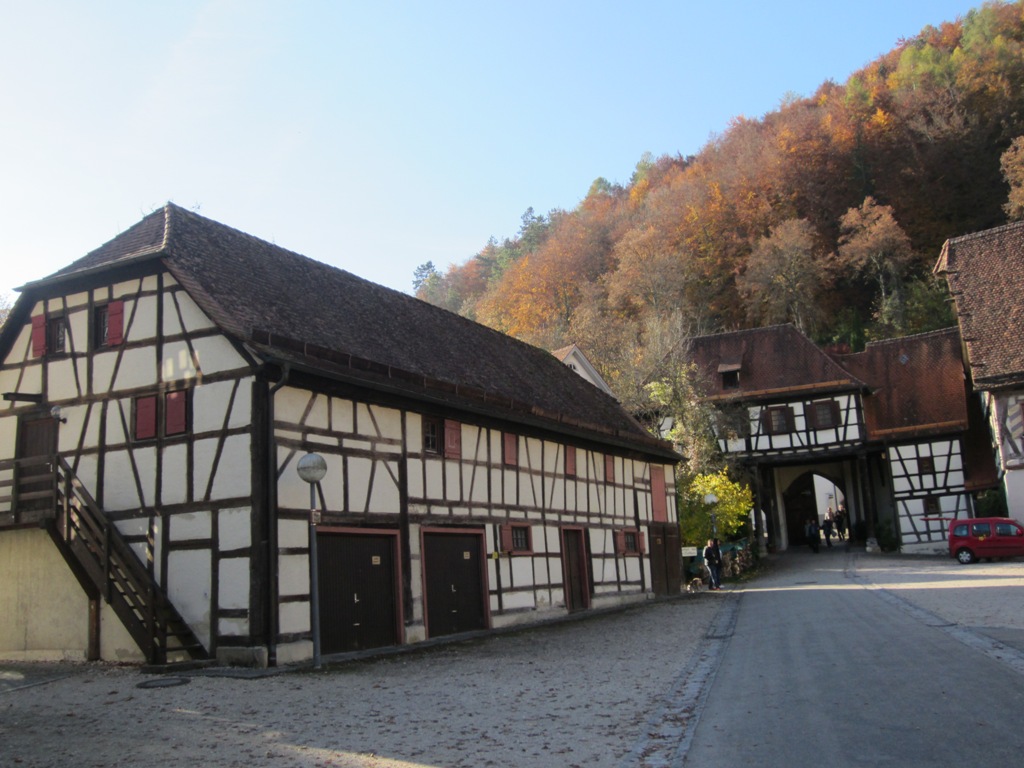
x=1013, y=482
x=141, y=326
x=195, y=319
x=138, y=369
x=62, y=383
x=289, y=404
x=233, y=528
x=120, y=490
x=234, y=583
x=177, y=363
x=175, y=480
x=385, y=498
x=190, y=525
x=234, y=473
x=216, y=354
x=188, y=587
x=210, y=405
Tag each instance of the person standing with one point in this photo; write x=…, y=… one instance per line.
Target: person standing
x=841, y=522
x=813, y=535
x=713, y=560
x=827, y=527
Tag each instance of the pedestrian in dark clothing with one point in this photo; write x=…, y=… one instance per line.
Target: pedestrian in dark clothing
x=713, y=560
x=841, y=522
x=813, y=534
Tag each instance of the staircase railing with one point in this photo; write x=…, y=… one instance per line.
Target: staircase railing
x=83, y=532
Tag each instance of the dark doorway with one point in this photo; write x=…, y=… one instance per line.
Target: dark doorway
x=454, y=577
x=37, y=442
x=666, y=562
x=358, y=591
x=801, y=505
x=574, y=564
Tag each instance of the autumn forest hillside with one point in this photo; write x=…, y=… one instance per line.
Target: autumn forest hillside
x=828, y=212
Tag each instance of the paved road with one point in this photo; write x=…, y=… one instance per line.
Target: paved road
x=824, y=667
x=837, y=659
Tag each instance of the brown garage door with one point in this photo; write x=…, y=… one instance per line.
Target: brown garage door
x=358, y=591
x=454, y=580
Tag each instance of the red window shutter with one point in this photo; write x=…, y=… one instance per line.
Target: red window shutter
x=506, y=538
x=511, y=449
x=452, y=439
x=115, y=323
x=175, y=412
x=145, y=417
x=659, y=510
x=570, y=461
x=609, y=469
x=620, y=542
x=39, y=336
x=641, y=543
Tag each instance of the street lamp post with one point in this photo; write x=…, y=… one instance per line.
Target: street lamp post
x=312, y=469
x=712, y=500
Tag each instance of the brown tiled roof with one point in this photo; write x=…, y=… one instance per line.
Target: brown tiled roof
x=916, y=385
x=985, y=272
x=290, y=308
x=773, y=363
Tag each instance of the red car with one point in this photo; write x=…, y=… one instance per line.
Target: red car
x=971, y=540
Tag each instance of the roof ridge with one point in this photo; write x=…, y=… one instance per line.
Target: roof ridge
x=922, y=334
x=985, y=233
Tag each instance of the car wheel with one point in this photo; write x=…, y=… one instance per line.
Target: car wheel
x=965, y=556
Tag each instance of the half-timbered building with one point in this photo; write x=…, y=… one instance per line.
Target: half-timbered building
x=985, y=274
x=887, y=426
x=158, y=394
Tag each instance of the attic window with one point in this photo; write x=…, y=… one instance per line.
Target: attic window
x=926, y=465
x=431, y=436
x=730, y=372
x=108, y=325
x=49, y=335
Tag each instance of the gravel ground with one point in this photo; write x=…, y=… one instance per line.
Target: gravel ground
x=574, y=694
x=583, y=693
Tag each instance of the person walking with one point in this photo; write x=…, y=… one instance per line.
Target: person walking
x=827, y=527
x=713, y=560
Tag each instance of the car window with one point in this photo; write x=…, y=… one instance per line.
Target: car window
x=960, y=530
x=981, y=529
x=1009, y=529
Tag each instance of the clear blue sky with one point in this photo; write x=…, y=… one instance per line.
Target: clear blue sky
x=376, y=136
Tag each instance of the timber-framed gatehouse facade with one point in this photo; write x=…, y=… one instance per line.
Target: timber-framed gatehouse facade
x=892, y=429
x=158, y=394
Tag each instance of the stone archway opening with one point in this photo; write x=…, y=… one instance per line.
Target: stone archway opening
x=809, y=495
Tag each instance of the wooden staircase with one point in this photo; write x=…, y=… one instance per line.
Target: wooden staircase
x=96, y=551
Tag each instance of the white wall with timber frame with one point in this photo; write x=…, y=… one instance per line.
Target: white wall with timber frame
x=928, y=491
x=1005, y=412
x=182, y=500
x=382, y=472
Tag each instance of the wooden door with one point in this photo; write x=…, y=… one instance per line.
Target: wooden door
x=35, y=491
x=454, y=581
x=358, y=591
x=575, y=571
x=666, y=560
